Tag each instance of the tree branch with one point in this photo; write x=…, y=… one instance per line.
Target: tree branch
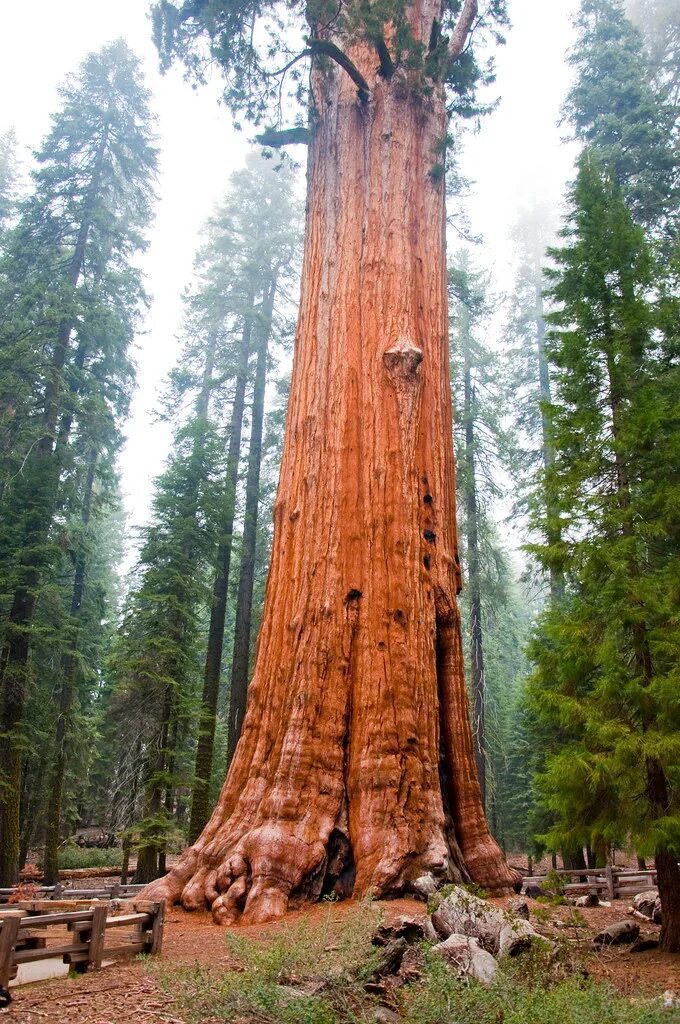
x=286, y=67
x=287, y=137
x=387, y=65
x=327, y=49
x=462, y=29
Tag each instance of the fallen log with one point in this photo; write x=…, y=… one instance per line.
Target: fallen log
x=617, y=933
x=410, y=928
x=33, y=875
x=500, y=933
x=642, y=945
x=390, y=959
x=591, y=899
x=648, y=905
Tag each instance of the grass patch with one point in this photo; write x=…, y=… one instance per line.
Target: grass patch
x=528, y=991
x=315, y=974
x=330, y=961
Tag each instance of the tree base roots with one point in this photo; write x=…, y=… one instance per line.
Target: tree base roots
x=270, y=871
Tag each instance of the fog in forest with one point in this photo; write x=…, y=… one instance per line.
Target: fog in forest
x=339, y=531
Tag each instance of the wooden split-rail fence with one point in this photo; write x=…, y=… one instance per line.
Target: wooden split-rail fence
x=59, y=892
x=84, y=936
x=614, y=883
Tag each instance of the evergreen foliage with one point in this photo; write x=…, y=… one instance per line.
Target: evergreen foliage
x=606, y=671
x=71, y=297
x=259, y=46
x=160, y=654
x=493, y=618
x=614, y=107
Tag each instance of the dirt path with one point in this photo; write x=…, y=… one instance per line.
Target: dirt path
x=130, y=992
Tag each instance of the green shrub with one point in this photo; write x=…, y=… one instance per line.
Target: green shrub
x=554, y=882
x=437, y=897
x=575, y=919
x=542, y=914
x=78, y=857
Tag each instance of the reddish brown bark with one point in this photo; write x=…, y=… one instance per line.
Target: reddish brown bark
x=356, y=756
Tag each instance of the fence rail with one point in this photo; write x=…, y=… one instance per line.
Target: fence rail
x=84, y=935
x=615, y=882
x=59, y=891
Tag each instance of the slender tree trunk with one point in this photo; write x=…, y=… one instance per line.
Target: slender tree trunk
x=666, y=863
x=69, y=669
x=200, y=798
x=553, y=532
x=169, y=788
x=147, y=857
x=33, y=803
x=357, y=734
x=477, y=679
x=244, y=600
x=38, y=510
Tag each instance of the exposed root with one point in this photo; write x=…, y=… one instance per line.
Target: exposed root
x=489, y=869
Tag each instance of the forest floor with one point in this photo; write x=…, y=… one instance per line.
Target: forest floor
x=140, y=991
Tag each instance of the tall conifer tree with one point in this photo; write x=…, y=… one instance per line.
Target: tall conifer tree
x=76, y=235
x=606, y=672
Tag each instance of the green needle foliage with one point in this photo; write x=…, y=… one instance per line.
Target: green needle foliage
x=70, y=297
x=614, y=107
x=606, y=655
x=259, y=46
x=159, y=702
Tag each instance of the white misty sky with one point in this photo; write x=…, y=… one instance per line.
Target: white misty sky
x=516, y=155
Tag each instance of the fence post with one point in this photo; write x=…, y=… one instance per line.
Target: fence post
x=156, y=944
x=609, y=875
x=97, y=934
x=9, y=929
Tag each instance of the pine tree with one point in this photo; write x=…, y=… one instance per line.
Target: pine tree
x=157, y=657
x=476, y=431
x=67, y=257
x=254, y=238
x=606, y=673
x=8, y=175
x=659, y=23
x=614, y=107
x=492, y=618
x=527, y=380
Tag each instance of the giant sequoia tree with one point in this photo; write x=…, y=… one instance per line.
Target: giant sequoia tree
x=355, y=768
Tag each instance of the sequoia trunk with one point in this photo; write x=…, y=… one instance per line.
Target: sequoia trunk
x=355, y=765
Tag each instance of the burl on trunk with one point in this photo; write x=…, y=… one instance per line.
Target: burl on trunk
x=355, y=767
